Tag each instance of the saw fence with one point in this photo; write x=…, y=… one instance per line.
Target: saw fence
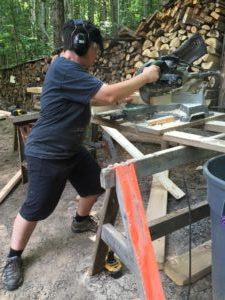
x=178, y=147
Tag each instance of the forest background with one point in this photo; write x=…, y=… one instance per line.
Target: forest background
x=30, y=29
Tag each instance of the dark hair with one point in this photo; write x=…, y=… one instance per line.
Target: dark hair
x=87, y=28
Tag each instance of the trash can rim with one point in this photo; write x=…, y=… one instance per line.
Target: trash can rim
x=209, y=174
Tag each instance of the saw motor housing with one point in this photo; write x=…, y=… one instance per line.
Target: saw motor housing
x=173, y=68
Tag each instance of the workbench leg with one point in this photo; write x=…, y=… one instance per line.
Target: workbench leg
x=109, y=214
x=15, y=139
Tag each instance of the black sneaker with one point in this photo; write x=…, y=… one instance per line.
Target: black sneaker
x=89, y=224
x=12, y=274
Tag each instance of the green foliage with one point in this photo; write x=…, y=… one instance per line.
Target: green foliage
x=26, y=30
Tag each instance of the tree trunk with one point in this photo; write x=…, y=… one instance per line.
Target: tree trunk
x=57, y=21
x=91, y=10
x=43, y=22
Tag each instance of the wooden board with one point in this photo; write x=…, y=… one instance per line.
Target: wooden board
x=168, y=184
x=158, y=161
x=157, y=207
x=178, y=219
x=177, y=267
x=216, y=126
x=136, y=230
x=195, y=140
x=162, y=128
x=10, y=185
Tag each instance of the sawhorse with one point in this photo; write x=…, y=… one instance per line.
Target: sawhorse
x=123, y=196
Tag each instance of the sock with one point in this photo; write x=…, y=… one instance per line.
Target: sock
x=79, y=218
x=13, y=252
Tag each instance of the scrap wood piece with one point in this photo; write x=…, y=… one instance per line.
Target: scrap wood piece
x=161, y=120
x=5, y=113
x=34, y=90
x=170, y=186
x=177, y=267
x=157, y=207
x=216, y=126
x=195, y=140
x=10, y=185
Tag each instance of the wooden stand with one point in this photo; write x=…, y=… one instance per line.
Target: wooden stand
x=202, y=147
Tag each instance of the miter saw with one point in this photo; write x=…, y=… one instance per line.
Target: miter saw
x=174, y=78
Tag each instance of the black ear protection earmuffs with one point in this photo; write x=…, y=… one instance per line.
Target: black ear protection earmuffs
x=80, y=38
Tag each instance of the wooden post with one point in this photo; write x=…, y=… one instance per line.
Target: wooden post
x=109, y=214
x=221, y=100
x=135, y=223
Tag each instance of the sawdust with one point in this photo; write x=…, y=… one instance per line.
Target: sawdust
x=56, y=261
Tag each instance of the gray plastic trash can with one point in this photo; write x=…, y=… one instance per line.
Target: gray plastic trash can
x=214, y=171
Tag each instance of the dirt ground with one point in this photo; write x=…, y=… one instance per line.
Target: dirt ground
x=56, y=261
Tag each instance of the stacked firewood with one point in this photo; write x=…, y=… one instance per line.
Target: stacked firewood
x=118, y=60
x=166, y=30
x=162, y=33
x=14, y=82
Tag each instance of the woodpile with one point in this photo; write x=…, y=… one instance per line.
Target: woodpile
x=118, y=60
x=15, y=81
x=167, y=29
x=162, y=33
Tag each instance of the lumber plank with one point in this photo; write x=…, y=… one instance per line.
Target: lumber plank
x=216, y=126
x=27, y=118
x=195, y=140
x=177, y=267
x=178, y=219
x=119, y=244
x=10, y=185
x=5, y=113
x=127, y=129
x=125, y=143
x=170, y=186
x=161, y=120
x=157, y=207
x=158, y=161
x=109, y=213
x=162, y=128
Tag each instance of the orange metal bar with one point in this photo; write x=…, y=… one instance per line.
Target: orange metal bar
x=128, y=189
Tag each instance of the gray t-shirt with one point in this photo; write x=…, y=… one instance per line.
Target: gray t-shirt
x=65, y=111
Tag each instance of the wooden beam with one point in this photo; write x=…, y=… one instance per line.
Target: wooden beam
x=127, y=129
x=10, y=185
x=125, y=143
x=157, y=162
x=25, y=118
x=157, y=207
x=177, y=125
x=109, y=213
x=170, y=186
x=216, y=126
x=195, y=140
x=178, y=219
x=119, y=244
x=137, y=232
x=177, y=267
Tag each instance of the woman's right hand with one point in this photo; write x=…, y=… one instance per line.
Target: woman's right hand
x=151, y=73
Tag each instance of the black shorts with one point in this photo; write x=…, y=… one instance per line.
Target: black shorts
x=47, y=179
